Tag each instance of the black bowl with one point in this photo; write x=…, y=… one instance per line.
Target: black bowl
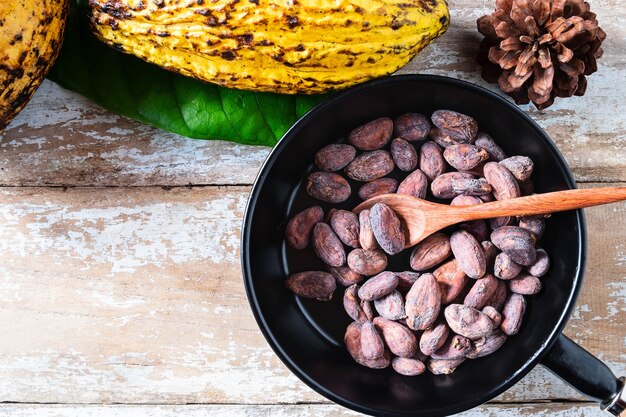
x=308, y=335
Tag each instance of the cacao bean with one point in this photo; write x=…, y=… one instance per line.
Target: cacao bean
x=387, y=228
x=474, y=186
x=352, y=304
x=493, y=315
x=456, y=347
x=434, y=337
x=499, y=297
x=490, y=253
x=345, y=276
x=423, y=302
x=441, y=186
x=430, y=252
x=334, y=157
x=372, y=135
x=459, y=126
x=487, y=345
x=525, y=284
x=327, y=245
x=406, y=279
x=370, y=166
x=467, y=321
x=345, y=224
x=411, y=126
x=505, y=268
x=498, y=222
x=465, y=200
x=328, y=187
x=520, y=166
x=476, y=228
x=367, y=308
x=404, y=154
x=299, y=229
x=352, y=340
x=408, y=366
x=451, y=279
x=372, y=344
x=464, y=157
x=391, y=306
x=469, y=254
x=444, y=366
x=312, y=284
x=431, y=160
x=378, y=286
x=512, y=314
x=367, y=262
x=415, y=184
x=442, y=137
x=486, y=142
x=517, y=243
x=399, y=339
x=534, y=224
x=366, y=236
x=378, y=187
x=502, y=182
x=481, y=292
x=541, y=265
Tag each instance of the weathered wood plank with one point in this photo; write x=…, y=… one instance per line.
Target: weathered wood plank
x=301, y=410
x=62, y=139
x=134, y=295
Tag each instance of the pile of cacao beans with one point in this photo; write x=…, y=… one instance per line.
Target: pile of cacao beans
x=465, y=292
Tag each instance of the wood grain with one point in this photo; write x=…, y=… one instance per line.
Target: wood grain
x=134, y=295
x=300, y=410
x=62, y=139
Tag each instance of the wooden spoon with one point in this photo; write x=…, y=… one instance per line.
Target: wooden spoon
x=423, y=218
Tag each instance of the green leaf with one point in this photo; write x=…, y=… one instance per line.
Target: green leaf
x=131, y=87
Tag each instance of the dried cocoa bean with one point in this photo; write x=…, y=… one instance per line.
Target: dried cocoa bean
x=525, y=284
x=299, y=229
x=520, y=166
x=465, y=200
x=469, y=254
x=534, y=224
x=408, y=366
x=505, y=268
x=451, y=280
x=442, y=137
x=366, y=236
x=415, y=184
x=400, y=340
x=541, y=265
x=404, y=154
x=477, y=171
x=517, y=243
x=387, y=228
x=372, y=344
x=345, y=276
x=444, y=366
x=370, y=166
x=391, y=306
x=378, y=286
x=498, y=222
x=328, y=187
x=476, y=228
x=345, y=224
x=423, y=302
x=312, y=284
x=481, y=292
x=434, y=337
x=486, y=142
x=441, y=186
x=502, y=182
x=378, y=187
x=352, y=340
x=490, y=253
x=456, y=347
x=512, y=314
x=430, y=252
x=334, y=157
x=459, y=126
x=474, y=186
x=372, y=135
x=499, y=297
x=431, y=160
x=464, y=156
x=367, y=262
x=352, y=304
x=406, y=279
x=411, y=126
x=327, y=245
x=493, y=315
x=367, y=308
x=487, y=345
x=468, y=321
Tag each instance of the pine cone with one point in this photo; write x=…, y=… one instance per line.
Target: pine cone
x=537, y=50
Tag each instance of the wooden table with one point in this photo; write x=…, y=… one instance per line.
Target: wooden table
x=120, y=284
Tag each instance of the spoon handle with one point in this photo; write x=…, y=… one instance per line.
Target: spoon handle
x=545, y=203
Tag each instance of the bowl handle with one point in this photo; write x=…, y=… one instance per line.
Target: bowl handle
x=587, y=374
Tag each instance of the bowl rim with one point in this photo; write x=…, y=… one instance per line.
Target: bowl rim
x=268, y=164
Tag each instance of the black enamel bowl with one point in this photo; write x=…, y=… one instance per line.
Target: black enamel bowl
x=308, y=335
